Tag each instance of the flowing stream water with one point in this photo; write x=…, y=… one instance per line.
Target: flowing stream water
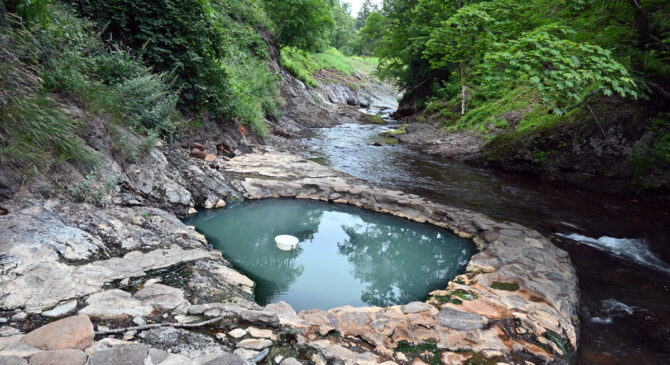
x=620, y=247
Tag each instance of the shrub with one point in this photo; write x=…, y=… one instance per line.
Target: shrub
x=148, y=105
x=34, y=131
x=299, y=63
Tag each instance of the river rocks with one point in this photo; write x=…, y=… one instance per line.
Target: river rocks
x=161, y=297
x=59, y=357
x=12, y=360
x=191, y=344
x=254, y=344
x=115, y=304
x=237, y=333
x=61, y=309
x=69, y=333
x=460, y=320
x=127, y=354
x=261, y=333
x=99, y=257
x=415, y=307
x=9, y=331
x=290, y=361
x=226, y=359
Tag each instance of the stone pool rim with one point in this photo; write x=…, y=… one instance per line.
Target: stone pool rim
x=213, y=214
x=542, y=308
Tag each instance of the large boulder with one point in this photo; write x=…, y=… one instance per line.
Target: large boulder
x=74, y=332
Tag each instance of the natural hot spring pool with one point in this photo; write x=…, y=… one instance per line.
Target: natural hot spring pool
x=346, y=255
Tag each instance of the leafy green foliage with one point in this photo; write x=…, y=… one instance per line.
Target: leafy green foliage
x=561, y=70
x=343, y=35
x=173, y=36
x=212, y=51
x=371, y=33
x=34, y=130
x=148, y=104
x=333, y=59
x=299, y=63
x=30, y=10
x=472, y=51
x=305, y=24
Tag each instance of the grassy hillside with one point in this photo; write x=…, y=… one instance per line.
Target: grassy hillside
x=304, y=65
x=150, y=69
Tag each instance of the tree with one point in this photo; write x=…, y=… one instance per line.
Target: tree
x=344, y=32
x=366, y=9
x=370, y=35
x=304, y=24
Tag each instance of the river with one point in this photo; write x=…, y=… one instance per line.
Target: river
x=620, y=247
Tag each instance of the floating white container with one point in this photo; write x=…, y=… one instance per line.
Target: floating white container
x=286, y=242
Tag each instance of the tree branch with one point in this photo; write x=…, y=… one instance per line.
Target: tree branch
x=157, y=325
x=586, y=98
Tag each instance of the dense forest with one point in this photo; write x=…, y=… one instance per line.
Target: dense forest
x=463, y=64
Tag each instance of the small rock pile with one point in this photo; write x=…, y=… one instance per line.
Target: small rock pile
x=200, y=151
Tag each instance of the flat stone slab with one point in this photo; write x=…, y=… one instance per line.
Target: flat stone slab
x=460, y=320
x=61, y=310
x=59, y=357
x=68, y=333
x=113, y=304
x=127, y=354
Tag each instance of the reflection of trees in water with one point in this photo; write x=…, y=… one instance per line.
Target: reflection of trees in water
x=397, y=263
x=255, y=250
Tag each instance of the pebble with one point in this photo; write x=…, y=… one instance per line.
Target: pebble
x=237, y=333
x=20, y=317
x=128, y=335
x=61, y=310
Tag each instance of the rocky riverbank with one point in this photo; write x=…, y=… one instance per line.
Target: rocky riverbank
x=99, y=269
x=138, y=282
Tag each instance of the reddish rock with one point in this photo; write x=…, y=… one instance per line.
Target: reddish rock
x=210, y=158
x=74, y=332
x=199, y=146
x=196, y=152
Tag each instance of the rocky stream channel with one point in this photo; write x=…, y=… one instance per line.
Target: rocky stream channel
x=618, y=245
x=127, y=282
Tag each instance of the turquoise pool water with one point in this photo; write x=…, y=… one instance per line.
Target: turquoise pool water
x=346, y=255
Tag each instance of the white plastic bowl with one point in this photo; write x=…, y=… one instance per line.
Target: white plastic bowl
x=286, y=242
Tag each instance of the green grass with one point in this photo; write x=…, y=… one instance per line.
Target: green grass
x=455, y=297
x=304, y=65
x=364, y=65
x=332, y=59
x=299, y=63
x=505, y=286
x=422, y=348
